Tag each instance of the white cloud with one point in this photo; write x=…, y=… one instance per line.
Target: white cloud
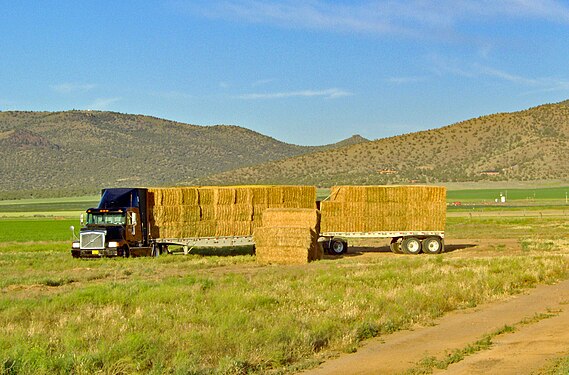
x=102, y=104
x=68, y=87
x=329, y=94
x=491, y=72
x=446, y=66
x=402, y=17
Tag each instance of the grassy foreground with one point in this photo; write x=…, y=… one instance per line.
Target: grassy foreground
x=225, y=314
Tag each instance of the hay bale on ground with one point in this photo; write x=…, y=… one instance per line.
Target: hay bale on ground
x=292, y=217
x=286, y=245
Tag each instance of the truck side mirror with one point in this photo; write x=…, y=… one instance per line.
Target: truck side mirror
x=82, y=220
x=133, y=218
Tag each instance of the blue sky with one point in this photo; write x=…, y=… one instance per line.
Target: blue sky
x=306, y=72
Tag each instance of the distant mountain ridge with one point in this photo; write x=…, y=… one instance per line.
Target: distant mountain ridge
x=77, y=152
x=532, y=144
x=82, y=151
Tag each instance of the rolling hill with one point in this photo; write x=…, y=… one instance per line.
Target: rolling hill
x=77, y=152
x=532, y=144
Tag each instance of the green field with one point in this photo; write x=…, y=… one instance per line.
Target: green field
x=53, y=207
x=555, y=194
x=36, y=230
x=222, y=313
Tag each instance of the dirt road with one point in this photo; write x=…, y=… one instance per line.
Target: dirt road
x=540, y=319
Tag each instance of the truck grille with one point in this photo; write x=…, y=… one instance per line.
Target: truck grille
x=92, y=240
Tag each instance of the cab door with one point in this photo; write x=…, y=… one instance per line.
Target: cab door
x=133, y=234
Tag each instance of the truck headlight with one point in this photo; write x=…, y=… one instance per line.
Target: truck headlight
x=75, y=245
x=113, y=244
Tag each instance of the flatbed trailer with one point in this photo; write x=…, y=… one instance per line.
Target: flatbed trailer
x=402, y=242
x=122, y=225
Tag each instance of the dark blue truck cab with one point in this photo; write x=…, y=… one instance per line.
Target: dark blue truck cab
x=119, y=226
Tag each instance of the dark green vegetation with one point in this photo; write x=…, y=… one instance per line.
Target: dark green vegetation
x=226, y=314
x=79, y=152
x=528, y=145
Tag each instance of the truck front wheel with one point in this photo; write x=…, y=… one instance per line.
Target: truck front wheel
x=411, y=245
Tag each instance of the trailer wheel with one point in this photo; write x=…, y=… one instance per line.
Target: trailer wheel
x=411, y=245
x=338, y=247
x=432, y=245
x=395, y=246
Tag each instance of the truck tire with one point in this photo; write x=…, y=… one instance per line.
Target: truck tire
x=125, y=251
x=395, y=246
x=337, y=247
x=432, y=245
x=411, y=245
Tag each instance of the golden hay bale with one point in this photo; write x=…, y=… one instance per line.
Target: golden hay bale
x=166, y=196
x=299, y=196
x=384, y=208
x=190, y=213
x=207, y=212
x=189, y=196
x=154, y=196
x=244, y=195
x=206, y=196
x=275, y=196
x=194, y=229
x=234, y=212
x=286, y=245
x=232, y=228
x=260, y=195
x=283, y=236
x=292, y=217
x=224, y=196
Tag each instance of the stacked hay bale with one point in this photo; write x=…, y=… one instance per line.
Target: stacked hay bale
x=288, y=236
x=384, y=208
x=219, y=211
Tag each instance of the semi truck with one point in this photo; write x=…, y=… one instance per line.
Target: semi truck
x=126, y=221
x=117, y=227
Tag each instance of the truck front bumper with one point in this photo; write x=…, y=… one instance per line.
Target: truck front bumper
x=79, y=253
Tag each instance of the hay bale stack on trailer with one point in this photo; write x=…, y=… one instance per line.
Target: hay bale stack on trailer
x=288, y=236
x=218, y=215
x=413, y=216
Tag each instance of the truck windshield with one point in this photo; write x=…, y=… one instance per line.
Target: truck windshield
x=106, y=218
